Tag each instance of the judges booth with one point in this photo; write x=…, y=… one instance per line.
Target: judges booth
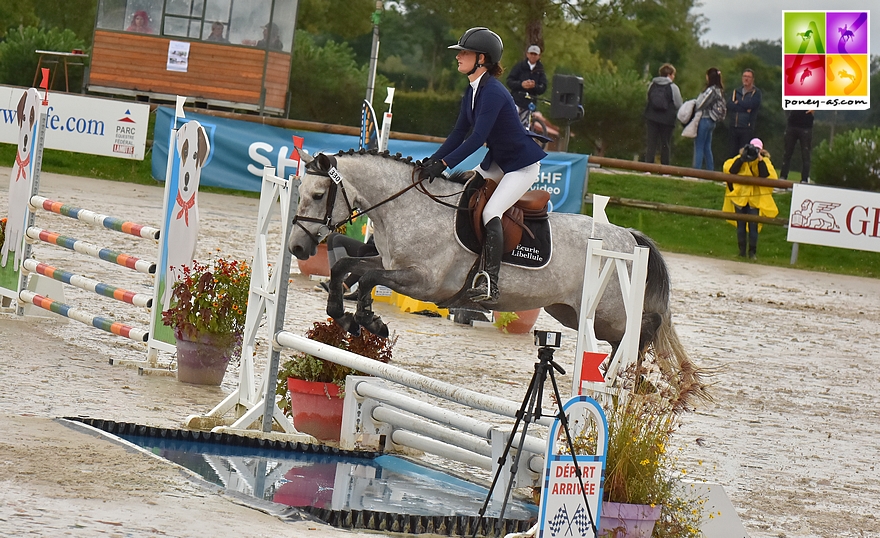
x=232, y=54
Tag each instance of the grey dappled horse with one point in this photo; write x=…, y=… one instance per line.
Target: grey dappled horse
x=420, y=257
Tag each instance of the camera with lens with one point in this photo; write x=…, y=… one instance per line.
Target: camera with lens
x=548, y=338
x=750, y=153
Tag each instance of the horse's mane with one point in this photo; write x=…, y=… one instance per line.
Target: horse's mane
x=375, y=152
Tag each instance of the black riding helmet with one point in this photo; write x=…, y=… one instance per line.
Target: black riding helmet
x=481, y=40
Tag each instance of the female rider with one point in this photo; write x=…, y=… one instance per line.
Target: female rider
x=513, y=160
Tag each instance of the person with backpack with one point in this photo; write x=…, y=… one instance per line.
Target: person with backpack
x=664, y=100
x=713, y=109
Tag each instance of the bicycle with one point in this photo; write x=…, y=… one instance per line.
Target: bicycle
x=529, y=117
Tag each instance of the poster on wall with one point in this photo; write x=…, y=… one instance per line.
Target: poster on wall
x=178, y=56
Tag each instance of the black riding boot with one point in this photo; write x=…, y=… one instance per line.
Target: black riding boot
x=492, y=247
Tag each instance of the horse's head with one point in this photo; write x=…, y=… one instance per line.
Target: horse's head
x=323, y=202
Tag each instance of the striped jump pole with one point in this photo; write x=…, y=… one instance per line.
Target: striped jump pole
x=120, y=329
x=141, y=266
x=79, y=281
x=84, y=215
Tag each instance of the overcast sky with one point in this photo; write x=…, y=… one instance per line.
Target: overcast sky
x=733, y=22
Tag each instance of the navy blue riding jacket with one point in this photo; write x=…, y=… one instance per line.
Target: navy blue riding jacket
x=492, y=121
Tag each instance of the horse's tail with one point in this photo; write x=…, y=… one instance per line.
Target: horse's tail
x=676, y=367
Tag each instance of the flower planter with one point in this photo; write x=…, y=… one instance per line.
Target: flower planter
x=316, y=408
x=203, y=360
x=523, y=324
x=319, y=264
x=621, y=520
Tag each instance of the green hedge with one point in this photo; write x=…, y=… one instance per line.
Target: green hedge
x=18, y=61
x=853, y=162
x=425, y=113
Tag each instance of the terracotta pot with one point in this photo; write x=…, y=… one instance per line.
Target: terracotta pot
x=316, y=408
x=202, y=360
x=319, y=264
x=621, y=520
x=523, y=324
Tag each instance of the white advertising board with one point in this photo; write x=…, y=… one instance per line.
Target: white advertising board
x=82, y=124
x=834, y=217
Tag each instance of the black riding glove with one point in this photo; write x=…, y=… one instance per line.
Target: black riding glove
x=432, y=168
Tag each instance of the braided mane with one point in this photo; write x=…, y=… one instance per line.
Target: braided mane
x=384, y=154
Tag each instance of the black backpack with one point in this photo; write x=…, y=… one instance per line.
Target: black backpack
x=659, y=97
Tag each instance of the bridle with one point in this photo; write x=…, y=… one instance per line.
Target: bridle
x=337, y=186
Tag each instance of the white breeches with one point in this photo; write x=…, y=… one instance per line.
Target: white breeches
x=511, y=186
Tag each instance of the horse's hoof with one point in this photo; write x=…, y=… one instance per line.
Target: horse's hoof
x=348, y=323
x=377, y=327
x=335, y=309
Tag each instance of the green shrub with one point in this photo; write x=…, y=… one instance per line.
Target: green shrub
x=18, y=61
x=426, y=113
x=326, y=83
x=853, y=162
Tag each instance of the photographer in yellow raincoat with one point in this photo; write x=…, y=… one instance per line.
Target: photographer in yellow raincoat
x=753, y=160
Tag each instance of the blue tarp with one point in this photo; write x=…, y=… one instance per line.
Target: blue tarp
x=240, y=150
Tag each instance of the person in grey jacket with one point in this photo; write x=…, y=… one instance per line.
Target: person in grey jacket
x=743, y=110
x=664, y=100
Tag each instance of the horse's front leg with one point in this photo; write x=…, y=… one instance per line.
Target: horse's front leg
x=335, y=306
x=394, y=279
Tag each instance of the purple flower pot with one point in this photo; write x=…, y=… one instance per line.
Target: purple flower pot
x=621, y=520
x=203, y=361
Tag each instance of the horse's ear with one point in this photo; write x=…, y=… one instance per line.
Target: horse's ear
x=304, y=156
x=323, y=162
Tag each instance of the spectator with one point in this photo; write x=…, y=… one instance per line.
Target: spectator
x=527, y=79
x=711, y=105
x=743, y=107
x=753, y=160
x=799, y=128
x=271, y=37
x=217, y=33
x=140, y=23
x=664, y=100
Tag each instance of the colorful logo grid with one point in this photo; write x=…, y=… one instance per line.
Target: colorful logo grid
x=825, y=60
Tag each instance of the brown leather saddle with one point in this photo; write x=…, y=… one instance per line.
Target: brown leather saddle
x=532, y=205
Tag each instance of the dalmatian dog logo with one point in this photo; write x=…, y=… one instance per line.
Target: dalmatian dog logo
x=816, y=216
x=21, y=178
x=183, y=228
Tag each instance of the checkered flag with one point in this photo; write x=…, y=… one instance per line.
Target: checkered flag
x=560, y=519
x=582, y=522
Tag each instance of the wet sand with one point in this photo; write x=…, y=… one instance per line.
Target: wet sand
x=792, y=436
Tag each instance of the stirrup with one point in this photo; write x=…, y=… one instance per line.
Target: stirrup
x=477, y=295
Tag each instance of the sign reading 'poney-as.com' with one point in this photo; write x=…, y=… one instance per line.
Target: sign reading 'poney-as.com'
x=834, y=217
x=82, y=124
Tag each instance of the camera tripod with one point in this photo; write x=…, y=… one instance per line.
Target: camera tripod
x=530, y=411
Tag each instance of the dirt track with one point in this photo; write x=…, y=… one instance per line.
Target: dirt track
x=792, y=437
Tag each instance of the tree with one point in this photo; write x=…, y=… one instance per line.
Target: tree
x=649, y=33
x=77, y=16
x=16, y=14
x=345, y=19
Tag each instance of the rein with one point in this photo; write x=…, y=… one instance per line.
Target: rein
x=337, y=185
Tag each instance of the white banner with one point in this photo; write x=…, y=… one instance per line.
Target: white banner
x=834, y=217
x=83, y=124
